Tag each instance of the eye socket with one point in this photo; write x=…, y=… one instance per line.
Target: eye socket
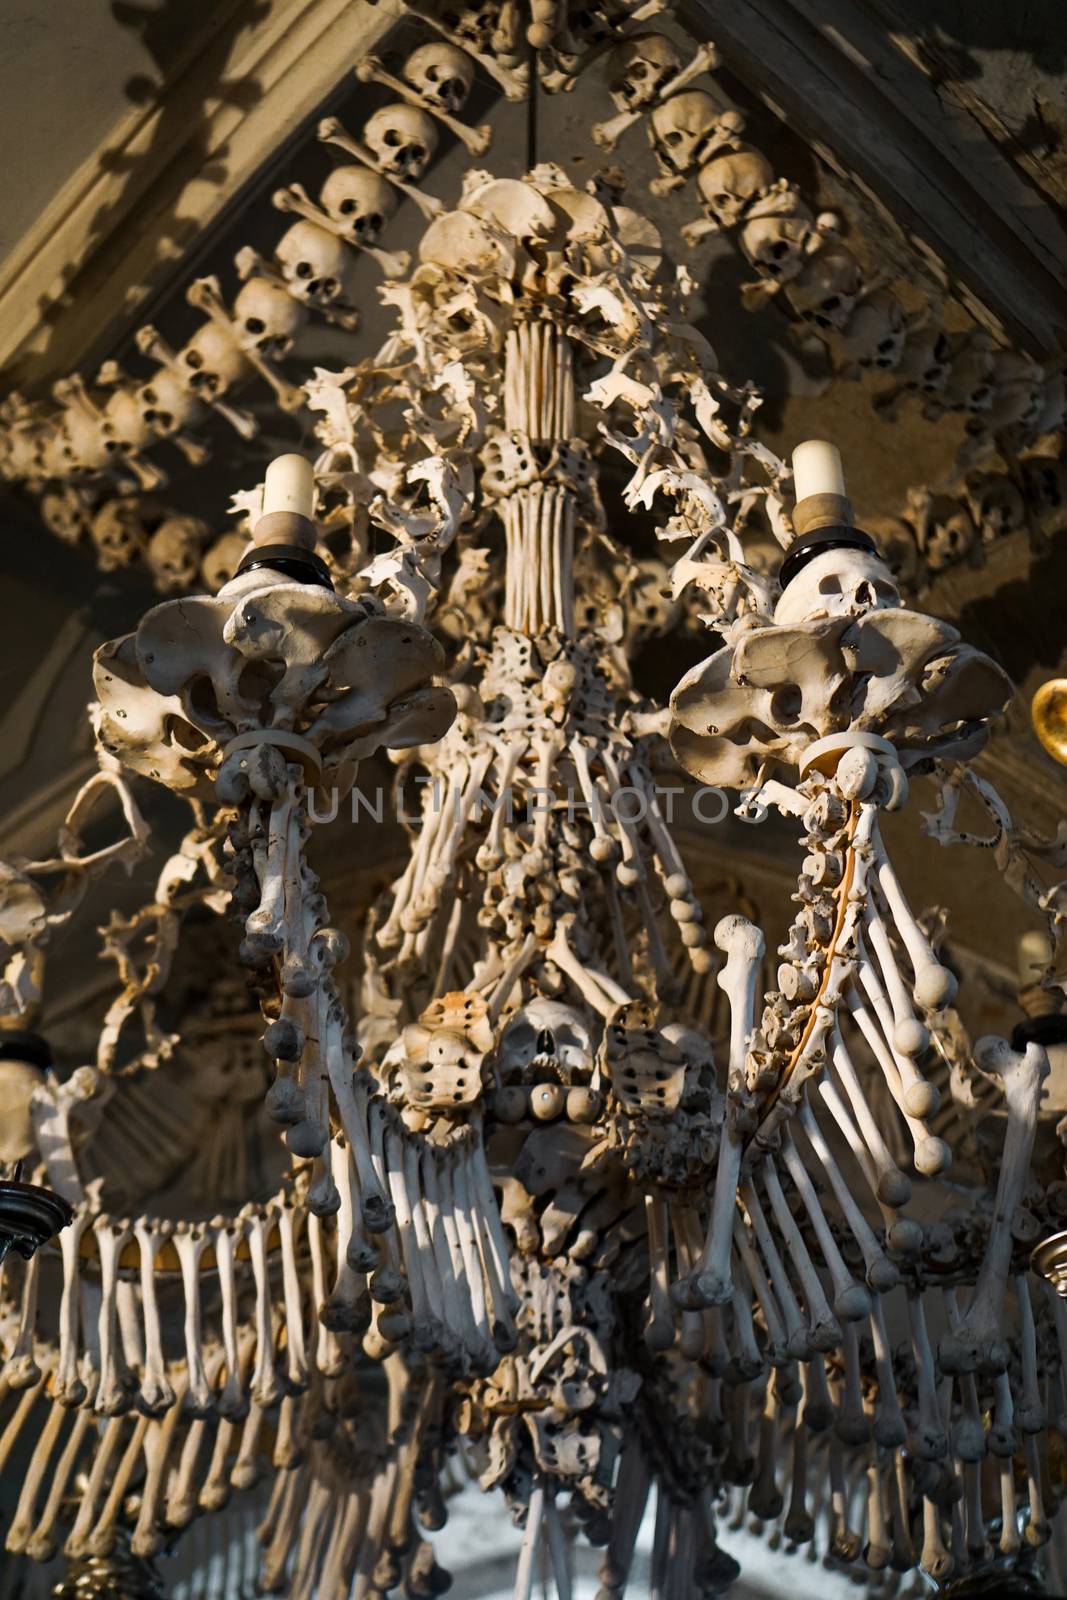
x=830, y=584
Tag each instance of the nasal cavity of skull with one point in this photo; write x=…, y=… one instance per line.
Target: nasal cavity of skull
x=153, y=412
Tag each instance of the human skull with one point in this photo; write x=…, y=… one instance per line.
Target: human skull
x=119, y=532
x=468, y=246
x=65, y=513
x=640, y=67
x=315, y=264
x=926, y=360
x=168, y=404
x=1045, y=487
x=684, y=128
x=969, y=384
x=173, y=553
x=876, y=334
x=268, y=316
x=82, y=443
x=997, y=505
x=946, y=529
x=18, y=1080
x=359, y=201
x=546, y=1038
x=403, y=139
x=125, y=427
x=214, y=361
x=729, y=184
x=778, y=246
x=478, y=23
x=826, y=291
x=221, y=559
x=838, y=583
x=442, y=74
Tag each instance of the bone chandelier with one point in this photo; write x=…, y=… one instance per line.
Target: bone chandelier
x=536, y=1222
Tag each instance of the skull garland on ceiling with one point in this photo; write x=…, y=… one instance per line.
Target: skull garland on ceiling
x=173, y=552
x=268, y=316
x=318, y=268
x=359, y=201
x=686, y=130
x=403, y=139
x=640, y=67
x=731, y=183
x=442, y=74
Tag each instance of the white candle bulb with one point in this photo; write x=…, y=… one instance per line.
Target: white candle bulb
x=817, y=469
x=289, y=485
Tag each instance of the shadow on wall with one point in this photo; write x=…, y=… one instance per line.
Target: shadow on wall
x=948, y=31
x=190, y=47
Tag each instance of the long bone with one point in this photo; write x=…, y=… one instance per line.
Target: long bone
x=293, y=1494
x=425, y=1327
x=823, y=1327
x=20, y=1370
x=232, y=1402
x=932, y=1155
x=851, y=1300
x=934, y=984
x=148, y=1538
x=466, y=1267
x=113, y=1394
x=77, y=1540
x=429, y=1265
x=934, y=1558
x=458, y=1316
x=607, y=134
x=743, y=945
x=347, y=1310
x=1037, y=1531
x=43, y=1541
x=352, y=1092
x=891, y=1186
x=918, y=1097
x=753, y=1269
x=1031, y=1412
x=104, y=1535
x=797, y=1338
x=890, y=1429
x=515, y=84
x=747, y=1358
x=477, y=140
x=294, y=199
x=928, y=1440
x=156, y=1394
x=882, y=1274
x=598, y=988
x=68, y=1387
x=659, y=1325
x=487, y=1211
x=17, y=1421
x=852, y=1424
x=181, y=1502
x=799, y=1525
x=190, y=1241
x=296, y=1374
x=473, y=1271
x=246, y=1468
x=765, y=1499
x=979, y=1341
x=877, y=1549
x=328, y=1355
x=18, y=1534
x=330, y=131
x=910, y=1036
